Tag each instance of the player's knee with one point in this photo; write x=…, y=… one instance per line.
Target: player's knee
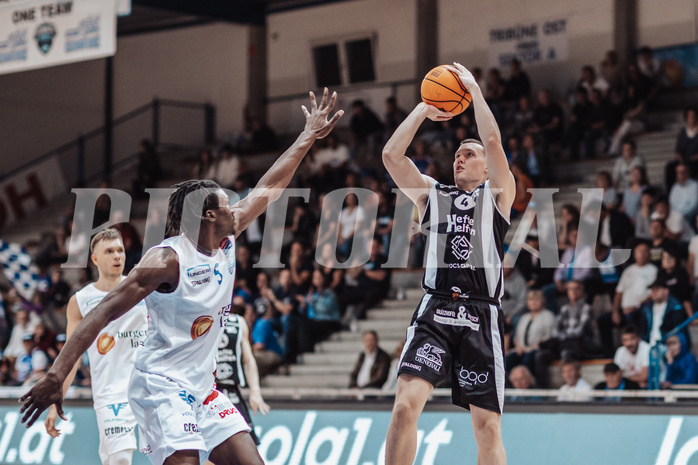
x=122, y=457
x=487, y=429
x=405, y=411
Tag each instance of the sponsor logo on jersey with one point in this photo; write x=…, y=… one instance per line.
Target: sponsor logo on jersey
x=116, y=408
x=456, y=289
x=93, y=302
x=215, y=410
x=464, y=202
x=430, y=355
x=147, y=450
x=411, y=365
x=217, y=274
x=199, y=271
x=467, y=378
x=105, y=343
x=225, y=340
x=227, y=247
x=228, y=411
x=460, y=224
x=211, y=397
x=224, y=371
x=191, y=428
x=462, y=318
x=186, y=397
x=231, y=267
x=461, y=247
x=201, y=326
x=114, y=430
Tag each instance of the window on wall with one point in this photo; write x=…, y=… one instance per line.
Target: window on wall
x=344, y=61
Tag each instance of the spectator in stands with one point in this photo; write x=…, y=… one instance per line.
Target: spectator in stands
x=366, y=130
x=303, y=225
x=205, y=167
x=518, y=85
x=494, y=94
x=647, y=64
x=614, y=380
x=692, y=268
x=634, y=286
x=372, y=367
x=601, y=116
x=633, y=193
x=610, y=194
x=321, y=310
x=394, y=115
x=590, y=81
x=284, y=300
x=642, y=219
x=149, y=169
x=624, y=165
x=615, y=227
x=683, y=197
x=32, y=363
x=421, y=158
x=521, y=378
x=300, y=266
x=372, y=285
x=7, y=372
x=548, y=121
x=534, y=161
x=611, y=72
x=352, y=215
x=659, y=241
x=572, y=335
x=677, y=278
x=661, y=314
x=569, y=219
x=530, y=266
x=574, y=265
x=333, y=276
x=263, y=137
x=24, y=326
x=685, y=150
x=514, y=298
x=534, y=326
x=524, y=187
x=639, y=90
x=391, y=382
x=523, y=117
x=228, y=167
x=682, y=367
x=265, y=340
x=572, y=374
x=579, y=122
x=633, y=357
x=385, y=219
x=334, y=161
x=45, y=340
x=245, y=273
x=677, y=228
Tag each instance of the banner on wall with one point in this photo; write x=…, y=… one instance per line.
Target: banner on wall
x=38, y=34
x=334, y=437
x=24, y=192
x=533, y=43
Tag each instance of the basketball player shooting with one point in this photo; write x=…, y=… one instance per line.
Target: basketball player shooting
x=458, y=327
x=187, y=282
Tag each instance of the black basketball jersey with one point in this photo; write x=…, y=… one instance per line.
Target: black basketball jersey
x=465, y=241
x=229, y=369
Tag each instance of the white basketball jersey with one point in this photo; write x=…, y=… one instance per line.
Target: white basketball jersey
x=185, y=325
x=111, y=355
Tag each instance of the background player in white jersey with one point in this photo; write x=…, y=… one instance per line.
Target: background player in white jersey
x=237, y=367
x=187, y=282
x=457, y=328
x=111, y=356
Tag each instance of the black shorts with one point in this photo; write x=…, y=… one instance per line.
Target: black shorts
x=232, y=392
x=462, y=341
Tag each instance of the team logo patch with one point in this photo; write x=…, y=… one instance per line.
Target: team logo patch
x=461, y=247
x=117, y=407
x=44, y=35
x=186, y=397
x=430, y=355
x=224, y=371
x=464, y=202
x=201, y=326
x=105, y=343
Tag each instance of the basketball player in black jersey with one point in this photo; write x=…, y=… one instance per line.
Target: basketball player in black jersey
x=456, y=331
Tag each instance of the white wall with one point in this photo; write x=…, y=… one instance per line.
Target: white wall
x=464, y=33
x=666, y=22
x=40, y=110
x=291, y=36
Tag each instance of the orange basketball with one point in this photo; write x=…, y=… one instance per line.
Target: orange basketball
x=442, y=88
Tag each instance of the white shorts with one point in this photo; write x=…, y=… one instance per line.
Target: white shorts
x=171, y=419
x=117, y=429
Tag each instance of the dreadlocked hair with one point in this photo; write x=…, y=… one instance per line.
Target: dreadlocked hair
x=200, y=195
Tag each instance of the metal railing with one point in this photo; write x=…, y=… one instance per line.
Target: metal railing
x=167, y=123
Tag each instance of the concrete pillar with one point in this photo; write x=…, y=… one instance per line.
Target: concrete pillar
x=257, y=71
x=625, y=30
x=427, y=37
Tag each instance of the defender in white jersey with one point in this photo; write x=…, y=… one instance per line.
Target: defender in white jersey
x=457, y=328
x=111, y=356
x=187, y=282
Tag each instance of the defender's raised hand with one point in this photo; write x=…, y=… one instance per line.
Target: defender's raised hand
x=316, y=121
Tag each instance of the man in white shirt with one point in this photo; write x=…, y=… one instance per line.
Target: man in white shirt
x=634, y=285
x=684, y=194
x=633, y=357
x=572, y=374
